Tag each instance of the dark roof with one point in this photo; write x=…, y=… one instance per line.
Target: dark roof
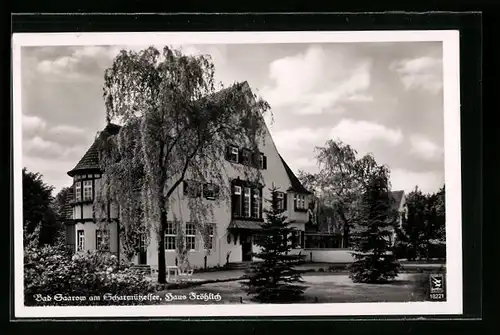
x=90, y=161
x=242, y=224
x=67, y=210
x=296, y=184
x=398, y=197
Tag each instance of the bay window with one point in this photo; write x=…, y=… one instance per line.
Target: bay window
x=78, y=191
x=87, y=190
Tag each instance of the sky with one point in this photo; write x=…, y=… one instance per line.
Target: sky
x=381, y=98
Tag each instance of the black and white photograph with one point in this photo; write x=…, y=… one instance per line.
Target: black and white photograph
x=237, y=174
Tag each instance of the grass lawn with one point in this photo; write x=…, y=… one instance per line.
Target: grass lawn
x=322, y=288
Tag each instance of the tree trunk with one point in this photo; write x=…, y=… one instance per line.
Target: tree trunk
x=161, y=247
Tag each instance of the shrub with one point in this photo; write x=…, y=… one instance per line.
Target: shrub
x=53, y=270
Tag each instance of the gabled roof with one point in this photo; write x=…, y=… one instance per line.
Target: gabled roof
x=90, y=161
x=296, y=184
x=398, y=197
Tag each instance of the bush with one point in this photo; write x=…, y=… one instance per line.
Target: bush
x=53, y=276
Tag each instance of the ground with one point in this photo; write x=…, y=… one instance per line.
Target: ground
x=323, y=287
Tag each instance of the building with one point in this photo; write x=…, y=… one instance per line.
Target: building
x=234, y=222
x=324, y=235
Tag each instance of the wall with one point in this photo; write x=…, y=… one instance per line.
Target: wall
x=89, y=229
x=329, y=255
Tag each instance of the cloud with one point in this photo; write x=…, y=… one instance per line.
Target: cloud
x=424, y=73
x=425, y=148
x=66, y=129
x=358, y=132
x=406, y=180
x=298, y=138
x=32, y=124
x=39, y=147
x=315, y=82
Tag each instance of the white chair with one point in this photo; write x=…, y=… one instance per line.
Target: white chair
x=188, y=274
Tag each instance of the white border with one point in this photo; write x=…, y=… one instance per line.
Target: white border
x=451, y=94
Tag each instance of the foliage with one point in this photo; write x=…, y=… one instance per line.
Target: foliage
x=175, y=127
x=274, y=279
x=422, y=234
x=340, y=183
x=37, y=207
x=375, y=262
x=53, y=270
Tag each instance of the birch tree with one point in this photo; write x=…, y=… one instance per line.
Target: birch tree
x=175, y=126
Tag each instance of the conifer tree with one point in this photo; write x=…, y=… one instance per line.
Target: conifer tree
x=274, y=279
x=375, y=262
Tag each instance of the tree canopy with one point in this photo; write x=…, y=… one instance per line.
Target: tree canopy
x=37, y=207
x=341, y=181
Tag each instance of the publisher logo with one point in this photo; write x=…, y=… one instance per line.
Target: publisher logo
x=437, y=283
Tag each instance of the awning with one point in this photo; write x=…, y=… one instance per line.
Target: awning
x=241, y=224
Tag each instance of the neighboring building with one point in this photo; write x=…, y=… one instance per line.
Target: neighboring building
x=323, y=235
x=234, y=223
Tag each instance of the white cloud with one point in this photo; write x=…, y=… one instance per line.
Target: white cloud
x=66, y=130
x=428, y=182
x=52, y=174
x=425, y=148
x=299, y=138
x=424, y=73
x=39, y=147
x=359, y=133
x=314, y=82
x=32, y=123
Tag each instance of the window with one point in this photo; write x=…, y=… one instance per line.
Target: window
x=256, y=203
x=81, y=240
x=232, y=154
x=209, y=244
x=299, y=202
x=78, y=191
x=323, y=241
x=170, y=236
x=87, y=190
x=262, y=162
x=281, y=200
x=192, y=189
x=190, y=236
x=246, y=202
x=246, y=157
x=102, y=239
x=211, y=191
x=236, y=200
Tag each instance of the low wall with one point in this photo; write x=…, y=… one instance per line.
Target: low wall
x=329, y=255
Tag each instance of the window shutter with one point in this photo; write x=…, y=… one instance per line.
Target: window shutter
x=185, y=187
x=240, y=156
x=228, y=151
x=285, y=200
x=264, y=162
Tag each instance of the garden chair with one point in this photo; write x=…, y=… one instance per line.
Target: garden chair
x=186, y=273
